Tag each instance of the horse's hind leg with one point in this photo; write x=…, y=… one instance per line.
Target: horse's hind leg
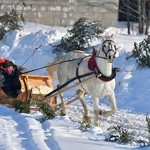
x=63, y=104
x=62, y=78
x=86, y=117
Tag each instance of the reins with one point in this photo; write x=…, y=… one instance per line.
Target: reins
x=53, y=64
x=35, y=50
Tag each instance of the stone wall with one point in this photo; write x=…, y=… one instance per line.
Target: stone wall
x=66, y=12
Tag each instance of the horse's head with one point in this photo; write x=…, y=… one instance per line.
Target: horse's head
x=108, y=49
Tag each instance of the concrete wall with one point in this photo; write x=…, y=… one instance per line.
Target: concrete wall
x=66, y=12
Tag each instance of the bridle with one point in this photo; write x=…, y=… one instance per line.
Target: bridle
x=112, y=48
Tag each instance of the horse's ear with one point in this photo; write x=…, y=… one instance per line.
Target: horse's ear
x=107, y=34
x=94, y=51
x=112, y=37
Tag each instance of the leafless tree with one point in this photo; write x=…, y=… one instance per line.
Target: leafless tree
x=128, y=18
x=140, y=11
x=147, y=17
x=137, y=9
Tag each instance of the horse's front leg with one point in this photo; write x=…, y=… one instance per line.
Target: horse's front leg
x=112, y=101
x=96, y=110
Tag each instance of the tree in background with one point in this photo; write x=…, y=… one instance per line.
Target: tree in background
x=141, y=53
x=80, y=36
x=136, y=11
x=129, y=10
x=10, y=20
x=147, y=16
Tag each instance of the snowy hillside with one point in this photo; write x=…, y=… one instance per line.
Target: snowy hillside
x=24, y=131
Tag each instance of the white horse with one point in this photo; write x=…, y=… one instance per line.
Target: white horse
x=97, y=87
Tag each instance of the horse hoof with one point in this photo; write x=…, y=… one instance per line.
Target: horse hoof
x=104, y=113
x=101, y=112
x=62, y=114
x=97, y=124
x=86, y=119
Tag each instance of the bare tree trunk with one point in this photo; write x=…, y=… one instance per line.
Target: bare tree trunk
x=140, y=18
x=141, y=8
x=128, y=18
x=147, y=18
x=143, y=14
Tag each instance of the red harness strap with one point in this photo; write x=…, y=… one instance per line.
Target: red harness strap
x=92, y=65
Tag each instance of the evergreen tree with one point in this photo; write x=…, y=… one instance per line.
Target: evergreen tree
x=141, y=53
x=79, y=37
x=10, y=20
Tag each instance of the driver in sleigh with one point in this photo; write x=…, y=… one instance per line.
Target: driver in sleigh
x=9, y=78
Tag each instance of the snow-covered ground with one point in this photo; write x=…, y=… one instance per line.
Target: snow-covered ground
x=25, y=132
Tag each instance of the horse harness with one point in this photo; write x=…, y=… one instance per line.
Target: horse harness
x=77, y=72
x=97, y=72
x=92, y=66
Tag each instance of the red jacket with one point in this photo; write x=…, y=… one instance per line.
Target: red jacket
x=2, y=60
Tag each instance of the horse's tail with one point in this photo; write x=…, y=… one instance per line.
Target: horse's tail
x=52, y=67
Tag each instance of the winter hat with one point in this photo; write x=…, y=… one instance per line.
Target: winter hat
x=7, y=64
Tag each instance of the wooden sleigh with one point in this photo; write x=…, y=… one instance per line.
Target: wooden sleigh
x=37, y=87
x=33, y=87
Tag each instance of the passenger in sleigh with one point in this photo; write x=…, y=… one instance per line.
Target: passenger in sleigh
x=9, y=77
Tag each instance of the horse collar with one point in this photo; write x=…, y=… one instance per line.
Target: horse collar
x=92, y=65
